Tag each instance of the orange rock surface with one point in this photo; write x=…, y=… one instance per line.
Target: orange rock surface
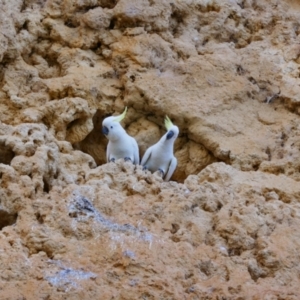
x=226, y=227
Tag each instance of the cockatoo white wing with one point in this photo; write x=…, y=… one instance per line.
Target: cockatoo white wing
x=108, y=151
x=136, y=155
x=147, y=156
x=171, y=169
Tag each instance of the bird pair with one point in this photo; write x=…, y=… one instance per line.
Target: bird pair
x=158, y=157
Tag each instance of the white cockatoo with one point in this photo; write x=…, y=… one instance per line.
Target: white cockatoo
x=160, y=157
x=120, y=145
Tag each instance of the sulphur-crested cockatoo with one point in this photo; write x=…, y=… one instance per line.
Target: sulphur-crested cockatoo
x=160, y=157
x=120, y=145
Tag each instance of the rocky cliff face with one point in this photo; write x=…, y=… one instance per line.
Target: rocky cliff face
x=227, y=74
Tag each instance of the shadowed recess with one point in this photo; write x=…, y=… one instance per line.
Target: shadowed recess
x=6, y=155
x=95, y=142
x=6, y=218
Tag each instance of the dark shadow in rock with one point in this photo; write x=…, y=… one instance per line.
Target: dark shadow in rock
x=6, y=218
x=95, y=142
x=6, y=155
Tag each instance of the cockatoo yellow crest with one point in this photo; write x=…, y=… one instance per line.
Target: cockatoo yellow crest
x=122, y=116
x=168, y=123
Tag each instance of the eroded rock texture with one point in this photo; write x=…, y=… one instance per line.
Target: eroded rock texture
x=226, y=73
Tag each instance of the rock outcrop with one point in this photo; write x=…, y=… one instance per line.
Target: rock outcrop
x=226, y=225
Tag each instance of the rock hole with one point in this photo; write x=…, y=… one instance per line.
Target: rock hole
x=46, y=186
x=283, y=136
x=175, y=228
x=71, y=23
x=37, y=142
x=6, y=155
x=6, y=218
x=50, y=61
x=55, y=176
x=175, y=239
x=97, y=46
x=252, y=80
x=234, y=251
x=108, y=3
x=112, y=23
x=25, y=26
x=233, y=39
x=193, y=207
x=240, y=70
x=2, y=72
x=74, y=123
x=219, y=205
x=49, y=252
x=268, y=152
x=205, y=41
x=87, y=8
x=175, y=21
x=23, y=6
x=46, y=122
x=7, y=59
x=241, y=5
x=39, y=218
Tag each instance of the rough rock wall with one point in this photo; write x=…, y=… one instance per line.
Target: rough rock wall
x=226, y=72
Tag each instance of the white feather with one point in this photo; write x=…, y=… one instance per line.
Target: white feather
x=120, y=145
x=160, y=155
x=171, y=169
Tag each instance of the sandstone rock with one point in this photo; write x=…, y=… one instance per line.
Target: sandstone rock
x=75, y=227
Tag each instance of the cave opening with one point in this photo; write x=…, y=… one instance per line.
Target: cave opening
x=192, y=157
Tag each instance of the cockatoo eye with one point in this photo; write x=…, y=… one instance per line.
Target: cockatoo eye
x=111, y=127
x=170, y=134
